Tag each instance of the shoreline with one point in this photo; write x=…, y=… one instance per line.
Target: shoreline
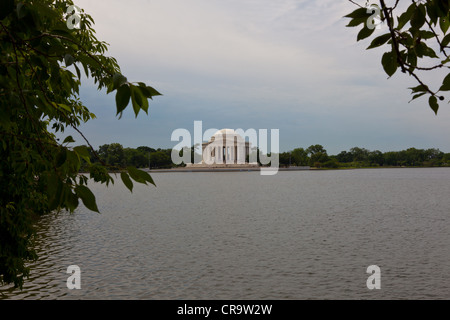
x=232, y=169
x=180, y=170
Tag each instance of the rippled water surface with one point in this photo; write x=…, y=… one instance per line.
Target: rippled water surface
x=239, y=235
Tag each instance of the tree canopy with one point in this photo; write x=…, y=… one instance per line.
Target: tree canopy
x=47, y=47
x=416, y=39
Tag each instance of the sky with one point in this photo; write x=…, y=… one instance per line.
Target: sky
x=256, y=64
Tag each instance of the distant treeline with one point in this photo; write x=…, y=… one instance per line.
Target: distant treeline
x=317, y=156
x=118, y=157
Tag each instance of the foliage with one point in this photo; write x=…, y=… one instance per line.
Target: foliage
x=318, y=155
x=360, y=157
x=112, y=154
x=331, y=163
x=300, y=157
x=117, y=157
x=409, y=157
x=417, y=41
x=41, y=66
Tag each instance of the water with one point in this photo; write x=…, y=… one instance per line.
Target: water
x=239, y=235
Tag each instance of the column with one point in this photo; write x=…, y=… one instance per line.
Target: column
x=232, y=153
x=216, y=156
x=219, y=155
x=208, y=151
x=240, y=151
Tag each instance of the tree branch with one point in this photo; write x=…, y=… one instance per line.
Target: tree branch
x=393, y=37
x=356, y=3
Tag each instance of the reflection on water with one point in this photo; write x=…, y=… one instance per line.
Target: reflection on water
x=239, y=235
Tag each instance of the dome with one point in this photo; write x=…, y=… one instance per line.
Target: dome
x=223, y=132
x=226, y=134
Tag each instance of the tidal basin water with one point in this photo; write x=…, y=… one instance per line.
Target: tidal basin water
x=240, y=235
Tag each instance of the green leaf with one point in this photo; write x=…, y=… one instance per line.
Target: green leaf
x=148, y=91
x=145, y=93
x=136, y=99
x=68, y=139
x=123, y=96
x=426, y=34
x=137, y=95
x=145, y=104
x=412, y=59
x=99, y=173
x=69, y=60
x=358, y=13
x=65, y=107
x=419, y=88
x=73, y=161
x=364, y=33
x=87, y=197
x=433, y=104
x=61, y=157
x=71, y=201
x=83, y=152
x=418, y=17
x=140, y=176
x=85, y=65
x=389, y=62
x=54, y=190
x=442, y=7
x=127, y=181
x=110, y=88
x=445, y=41
x=432, y=12
x=359, y=16
x=423, y=50
x=77, y=71
x=151, y=92
x=356, y=22
x=379, y=41
x=417, y=96
x=444, y=24
x=445, y=84
x=406, y=16
x=118, y=80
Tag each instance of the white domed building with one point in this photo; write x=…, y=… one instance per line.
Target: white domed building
x=226, y=149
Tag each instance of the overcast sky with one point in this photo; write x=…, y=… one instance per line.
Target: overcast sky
x=290, y=65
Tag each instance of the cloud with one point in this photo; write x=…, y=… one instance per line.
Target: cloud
x=289, y=65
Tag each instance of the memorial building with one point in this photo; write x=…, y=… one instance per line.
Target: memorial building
x=225, y=149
